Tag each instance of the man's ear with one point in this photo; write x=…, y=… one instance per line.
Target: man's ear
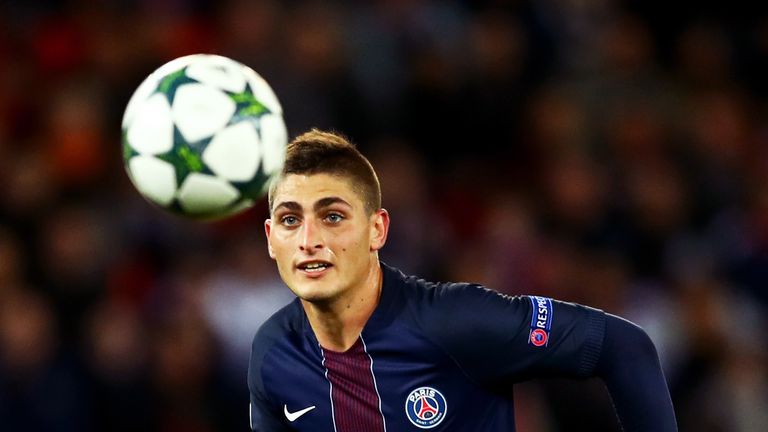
x=268, y=230
x=379, y=229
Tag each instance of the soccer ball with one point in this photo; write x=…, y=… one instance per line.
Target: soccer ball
x=203, y=137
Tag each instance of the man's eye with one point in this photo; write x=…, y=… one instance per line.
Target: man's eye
x=334, y=217
x=289, y=220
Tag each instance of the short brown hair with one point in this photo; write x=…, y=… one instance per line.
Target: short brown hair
x=319, y=152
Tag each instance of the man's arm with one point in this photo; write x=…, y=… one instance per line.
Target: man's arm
x=630, y=368
x=264, y=416
x=535, y=337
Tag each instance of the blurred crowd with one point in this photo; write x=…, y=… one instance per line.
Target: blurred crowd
x=612, y=153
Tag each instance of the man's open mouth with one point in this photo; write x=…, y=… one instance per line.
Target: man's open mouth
x=314, y=266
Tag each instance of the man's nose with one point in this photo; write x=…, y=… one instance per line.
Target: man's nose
x=311, y=238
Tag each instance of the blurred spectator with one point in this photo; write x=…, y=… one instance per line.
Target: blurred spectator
x=12, y=265
x=117, y=356
x=75, y=250
x=406, y=187
x=35, y=369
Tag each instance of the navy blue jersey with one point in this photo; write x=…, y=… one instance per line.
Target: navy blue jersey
x=437, y=356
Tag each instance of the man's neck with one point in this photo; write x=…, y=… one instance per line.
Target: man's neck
x=338, y=324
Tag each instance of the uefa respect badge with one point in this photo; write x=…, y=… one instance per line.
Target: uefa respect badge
x=541, y=321
x=425, y=407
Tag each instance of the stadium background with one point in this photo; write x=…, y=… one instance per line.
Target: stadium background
x=603, y=152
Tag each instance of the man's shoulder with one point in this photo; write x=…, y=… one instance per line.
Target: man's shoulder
x=286, y=320
x=430, y=297
x=279, y=326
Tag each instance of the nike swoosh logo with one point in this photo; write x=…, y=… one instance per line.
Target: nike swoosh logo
x=292, y=416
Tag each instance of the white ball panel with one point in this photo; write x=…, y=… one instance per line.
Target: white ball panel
x=243, y=205
x=151, y=131
x=142, y=93
x=149, y=84
x=204, y=194
x=234, y=152
x=199, y=111
x=219, y=72
x=262, y=91
x=274, y=137
x=154, y=178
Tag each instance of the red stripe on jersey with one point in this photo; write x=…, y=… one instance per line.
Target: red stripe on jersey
x=353, y=390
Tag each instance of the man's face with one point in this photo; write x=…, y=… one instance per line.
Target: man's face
x=324, y=243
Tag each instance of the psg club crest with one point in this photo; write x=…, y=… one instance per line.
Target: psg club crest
x=425, y=407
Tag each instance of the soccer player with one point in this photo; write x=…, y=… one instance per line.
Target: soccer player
x=366, y=348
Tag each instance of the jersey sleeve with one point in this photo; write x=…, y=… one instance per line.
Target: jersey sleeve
x=264, y=415
x=262, y=418
x=498, y=340
x=630, y=368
